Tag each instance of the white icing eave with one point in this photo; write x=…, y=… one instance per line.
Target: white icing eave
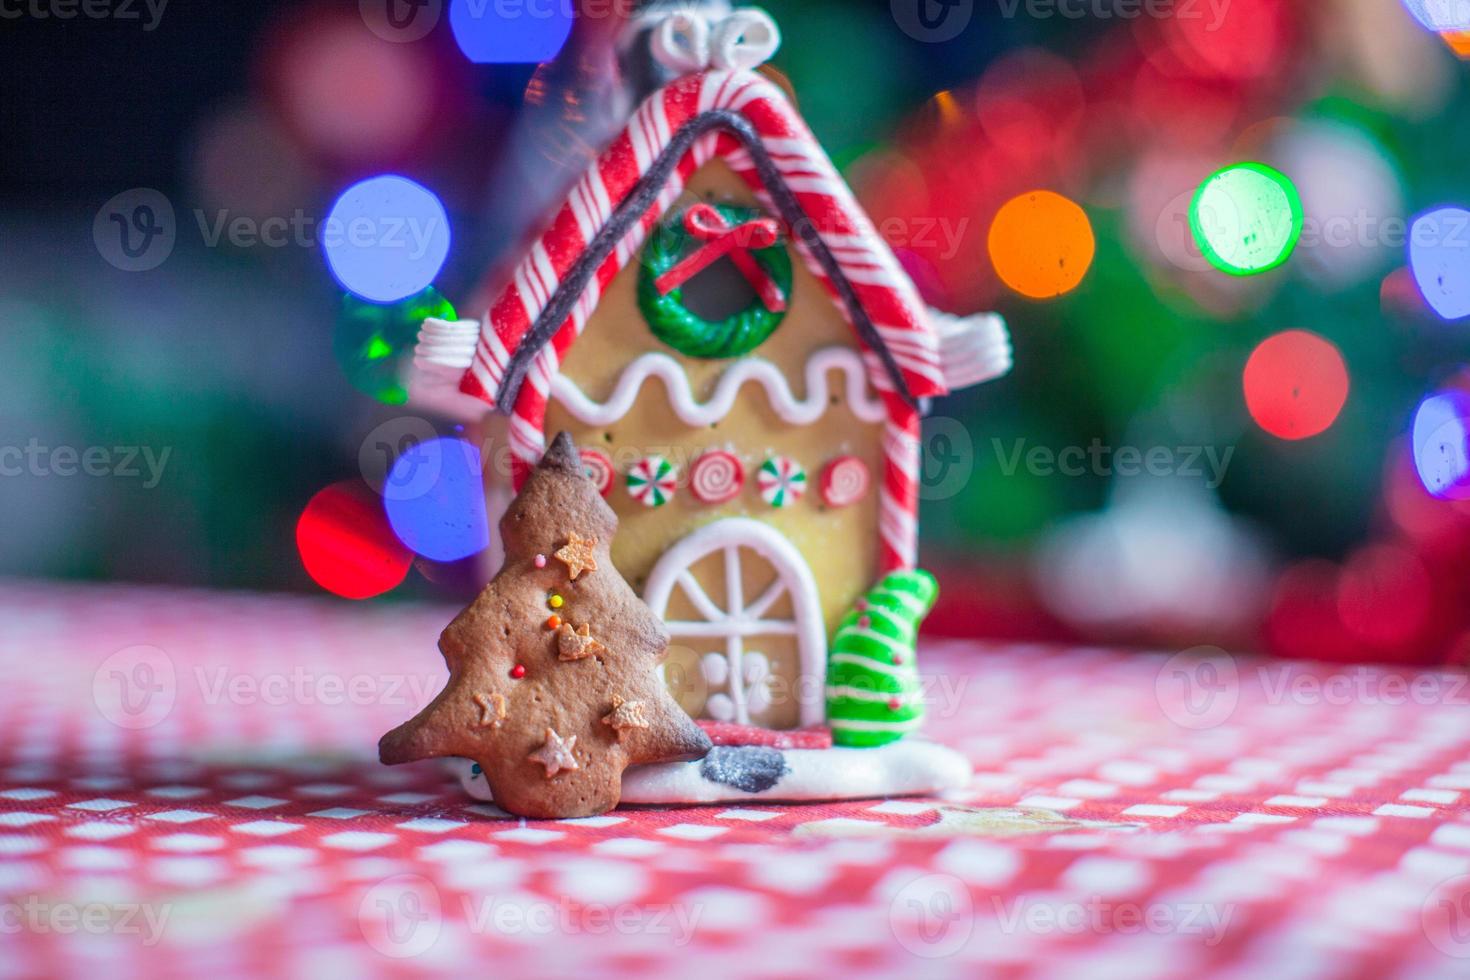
x=972, y=349
x=445, y=350
x=788, y=407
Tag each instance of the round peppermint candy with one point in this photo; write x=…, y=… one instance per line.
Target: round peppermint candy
x=844, y=481
x=716, y=477
x=651, y=481
x=599, y=467
x=782, y=481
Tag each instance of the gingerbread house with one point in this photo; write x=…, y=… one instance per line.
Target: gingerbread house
x=743, y=363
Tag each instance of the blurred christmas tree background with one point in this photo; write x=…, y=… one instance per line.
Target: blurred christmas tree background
x=1128, y=482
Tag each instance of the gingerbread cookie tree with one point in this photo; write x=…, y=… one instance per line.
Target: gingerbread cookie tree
x=553, y=688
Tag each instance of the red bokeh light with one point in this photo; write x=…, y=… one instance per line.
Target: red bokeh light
x=1295, y=384
x=1243, y=41
x=1383, y=595
x=347, y=545
x=347, y=94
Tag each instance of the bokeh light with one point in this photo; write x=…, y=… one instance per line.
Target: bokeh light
x=1041, y=244
x=1352, y=196
x=348, y=95
x=346, y=544
x=1246, y=218
x=373, y=341
x=502, y=34
x=1239, y=40
x=1029, y=103
x=1295, y=384
x=436, y=499
x=1383, y=595
x=386, y=238
x=1439, y=257
x=1440, y=15
x=1441, y=442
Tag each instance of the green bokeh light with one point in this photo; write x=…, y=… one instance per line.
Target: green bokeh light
x=1246, y=218
x=374, y=341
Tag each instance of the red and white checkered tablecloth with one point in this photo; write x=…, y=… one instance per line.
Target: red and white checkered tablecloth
x=188, y=787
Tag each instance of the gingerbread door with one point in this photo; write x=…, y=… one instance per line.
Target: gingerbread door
x=748, y=639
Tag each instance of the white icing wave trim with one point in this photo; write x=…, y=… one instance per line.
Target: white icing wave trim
x=865, y=405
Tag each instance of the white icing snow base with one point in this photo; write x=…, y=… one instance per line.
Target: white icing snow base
x=908, y=767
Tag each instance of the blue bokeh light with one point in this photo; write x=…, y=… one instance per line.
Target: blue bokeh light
x=435, y=499
x=1440, y=15
x=1441, y=441
x=386, y=238
x=1439, y=258
x=510, y=32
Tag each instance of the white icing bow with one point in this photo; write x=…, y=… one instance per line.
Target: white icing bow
x=691, y=40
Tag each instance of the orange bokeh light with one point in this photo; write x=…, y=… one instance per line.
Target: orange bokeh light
x=1295, y=384
x=1041, y=244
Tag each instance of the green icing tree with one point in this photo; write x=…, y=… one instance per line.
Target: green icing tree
x=873, y=694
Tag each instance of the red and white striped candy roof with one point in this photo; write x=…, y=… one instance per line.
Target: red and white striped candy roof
x=678, y=129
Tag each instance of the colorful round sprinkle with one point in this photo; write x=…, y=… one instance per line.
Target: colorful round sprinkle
x=782, y=481
x=540, y=561
x=555, y=602
x=518, y=671
x=651, y=481
x=844, y=481
x=716, y=477
x=599, y=467
x=553, y=622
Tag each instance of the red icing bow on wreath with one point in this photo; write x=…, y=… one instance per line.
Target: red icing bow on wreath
x=721, y=239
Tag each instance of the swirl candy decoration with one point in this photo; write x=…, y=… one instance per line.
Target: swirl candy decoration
x=599, y=467
x=844, y=481
x=716, y=477
x=741, y=234
x=782, y=481
x=651, y=481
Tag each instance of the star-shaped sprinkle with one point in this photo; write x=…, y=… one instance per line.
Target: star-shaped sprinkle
x=577, y=555
x=556, y=754
x=492, y=709
x=574, y=644
x=625, y=714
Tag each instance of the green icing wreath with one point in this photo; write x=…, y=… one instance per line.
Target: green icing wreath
x=680, y=327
